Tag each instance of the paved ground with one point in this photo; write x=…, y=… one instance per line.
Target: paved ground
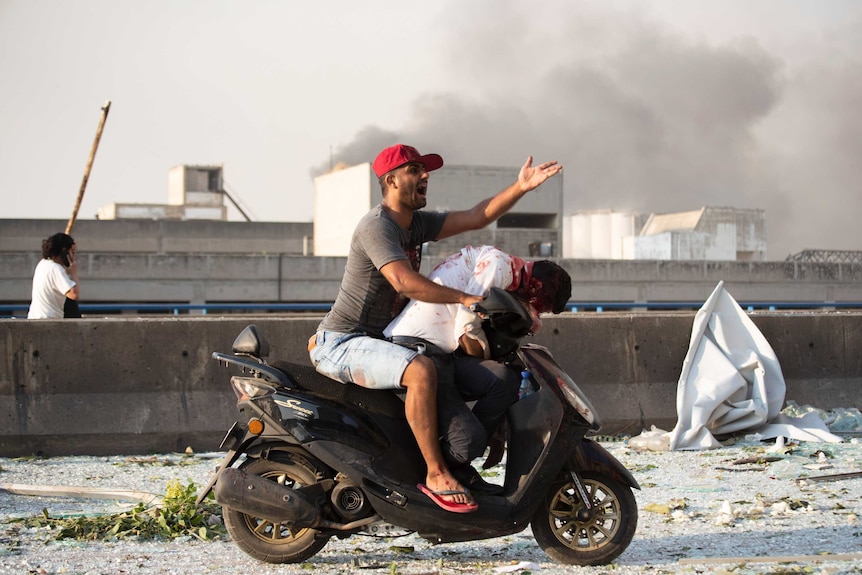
x=721, y=511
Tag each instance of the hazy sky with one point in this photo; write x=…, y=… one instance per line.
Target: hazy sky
x=650, y=105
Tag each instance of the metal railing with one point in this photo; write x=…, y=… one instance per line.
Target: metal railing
x=150, y=309
x=8, y=310
x=687, y=305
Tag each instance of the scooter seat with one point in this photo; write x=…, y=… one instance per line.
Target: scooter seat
x=385, y=402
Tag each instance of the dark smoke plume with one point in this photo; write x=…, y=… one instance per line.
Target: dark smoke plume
x=645, y=120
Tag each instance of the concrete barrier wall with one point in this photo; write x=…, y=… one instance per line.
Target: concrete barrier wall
x=123, y=386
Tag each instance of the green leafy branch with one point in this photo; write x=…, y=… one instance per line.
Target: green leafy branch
x=177, y=516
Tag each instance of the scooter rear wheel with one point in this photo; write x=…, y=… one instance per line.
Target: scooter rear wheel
x=570, y=533
x=268, y=541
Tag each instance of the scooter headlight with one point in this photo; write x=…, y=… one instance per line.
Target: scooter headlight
x=249, y=387
x=577, y=399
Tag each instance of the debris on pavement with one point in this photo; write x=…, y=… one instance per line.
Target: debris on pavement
x=692, y=509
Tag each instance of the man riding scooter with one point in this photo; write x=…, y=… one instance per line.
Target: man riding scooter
x=381, y=273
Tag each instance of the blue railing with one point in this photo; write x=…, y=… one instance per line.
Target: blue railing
x=687, y=305
x=20, y=310
x=7, y=310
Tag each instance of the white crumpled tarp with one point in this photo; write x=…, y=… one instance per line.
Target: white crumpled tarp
x=731, y=382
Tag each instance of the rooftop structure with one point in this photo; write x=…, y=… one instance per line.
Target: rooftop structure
x=194, y=193
x=827, y=256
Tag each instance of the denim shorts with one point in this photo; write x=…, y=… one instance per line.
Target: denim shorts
x=360, y=359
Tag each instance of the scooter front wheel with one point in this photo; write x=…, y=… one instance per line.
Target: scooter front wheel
x=570, y=533
x=274, y=542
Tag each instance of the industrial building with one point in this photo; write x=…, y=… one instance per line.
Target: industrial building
x=705, y=234
x=532, y=228
x=194, y=193
x=535, y=227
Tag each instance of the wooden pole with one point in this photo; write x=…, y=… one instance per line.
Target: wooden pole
x=74, y=216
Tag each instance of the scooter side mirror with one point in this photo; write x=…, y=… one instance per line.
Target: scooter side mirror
x=499, y=301
x=505, y=321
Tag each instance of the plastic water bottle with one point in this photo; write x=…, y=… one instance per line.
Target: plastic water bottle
x=526, y=387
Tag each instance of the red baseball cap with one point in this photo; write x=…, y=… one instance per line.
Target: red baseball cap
x=399, y=154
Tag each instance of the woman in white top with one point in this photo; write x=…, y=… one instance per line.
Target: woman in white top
x=55, y=278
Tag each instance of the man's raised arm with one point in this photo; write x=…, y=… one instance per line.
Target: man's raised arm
x=488, y=210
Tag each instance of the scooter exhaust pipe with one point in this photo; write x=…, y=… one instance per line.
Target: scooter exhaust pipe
x=266, y=499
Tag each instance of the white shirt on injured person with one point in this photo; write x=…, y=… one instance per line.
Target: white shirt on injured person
x=473, y=271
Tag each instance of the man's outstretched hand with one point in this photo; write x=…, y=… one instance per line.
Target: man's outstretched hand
x=531, y=177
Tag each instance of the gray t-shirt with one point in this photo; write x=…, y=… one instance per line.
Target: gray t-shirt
x=366, y=301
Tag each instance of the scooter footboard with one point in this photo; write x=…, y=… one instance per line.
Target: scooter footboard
x=587, y=455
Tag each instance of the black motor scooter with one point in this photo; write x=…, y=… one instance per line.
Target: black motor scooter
x=315, y=458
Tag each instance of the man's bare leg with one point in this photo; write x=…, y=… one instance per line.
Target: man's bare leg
x=420, y=406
